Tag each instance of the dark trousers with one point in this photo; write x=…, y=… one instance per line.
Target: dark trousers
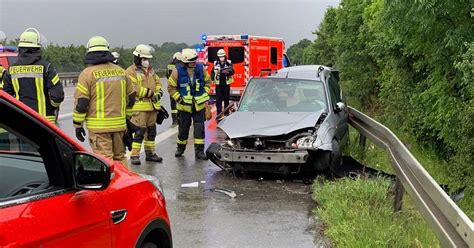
x=222, y=94
x=185, y=119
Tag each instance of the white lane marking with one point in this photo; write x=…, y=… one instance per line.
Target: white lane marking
x=166, y=134
x=159, y=138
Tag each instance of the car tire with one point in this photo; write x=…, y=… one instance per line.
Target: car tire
x=149, y=245
x=336, y=155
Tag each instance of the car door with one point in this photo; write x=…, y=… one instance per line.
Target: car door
x=38, y=206
x=341, y=115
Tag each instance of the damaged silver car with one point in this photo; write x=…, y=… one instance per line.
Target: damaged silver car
x=291, y=122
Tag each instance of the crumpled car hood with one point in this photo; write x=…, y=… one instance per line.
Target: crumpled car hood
x=244, y=124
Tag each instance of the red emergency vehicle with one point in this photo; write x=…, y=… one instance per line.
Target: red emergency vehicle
x=8, y=56
x=252, y=56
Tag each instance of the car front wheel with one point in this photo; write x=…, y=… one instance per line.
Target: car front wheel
x=149, y=245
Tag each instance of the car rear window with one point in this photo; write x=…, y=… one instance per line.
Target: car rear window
x=236, y=54
x=212, y=53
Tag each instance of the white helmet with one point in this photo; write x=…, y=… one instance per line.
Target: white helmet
x=221, y=53
x=177, y=56
x=143, y=51
x=3, y=37
x=188, y=55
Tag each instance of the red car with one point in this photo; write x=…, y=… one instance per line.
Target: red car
x=53, y=193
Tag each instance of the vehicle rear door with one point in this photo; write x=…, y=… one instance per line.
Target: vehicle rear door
x=236, y=54
x=276, y=55
x=38, y=206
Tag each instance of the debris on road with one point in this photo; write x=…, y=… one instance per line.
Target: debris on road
x=227, y=192
x=190, y=185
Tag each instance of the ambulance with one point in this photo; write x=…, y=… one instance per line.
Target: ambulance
x=251, y=56
x=8, y=54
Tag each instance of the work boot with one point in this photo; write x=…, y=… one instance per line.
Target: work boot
x=135, y=160
x=151, y=156
x=180, y=150
x=199, y=152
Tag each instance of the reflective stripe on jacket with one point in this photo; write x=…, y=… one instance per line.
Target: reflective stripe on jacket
x=106, y=89
x=37, y=85
x=188, y=91
x=144, y=82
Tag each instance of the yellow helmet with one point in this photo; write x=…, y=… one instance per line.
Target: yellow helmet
x=30, y=38
x=97, y=44
x=189, y=55
x=221, y=53
x=143, y=51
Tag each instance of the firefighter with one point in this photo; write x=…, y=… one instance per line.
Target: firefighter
x=171, y=66
x=103, y=100
x=33, y=80
x=148, y=87
x=189, y=86
x=2, y=70
x=116, y=56
x=222, y=75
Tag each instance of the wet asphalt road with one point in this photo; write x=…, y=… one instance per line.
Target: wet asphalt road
x=266, y=213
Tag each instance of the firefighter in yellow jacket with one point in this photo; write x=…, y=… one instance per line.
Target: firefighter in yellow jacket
x=189, y=85
x=103, y=100
x=33, y=80
x=148, y=87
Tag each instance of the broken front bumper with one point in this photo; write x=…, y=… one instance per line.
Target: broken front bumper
x=277, y=157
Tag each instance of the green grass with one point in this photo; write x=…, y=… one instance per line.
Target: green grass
x=359, y=213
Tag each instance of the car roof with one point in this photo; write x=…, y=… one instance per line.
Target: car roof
x=308, y=72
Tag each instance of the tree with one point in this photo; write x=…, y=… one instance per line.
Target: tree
x=296, y=51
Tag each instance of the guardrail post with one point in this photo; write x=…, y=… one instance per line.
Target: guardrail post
x=399, y=191
x=362, y=143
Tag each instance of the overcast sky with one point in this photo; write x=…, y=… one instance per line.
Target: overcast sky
x=129, y=22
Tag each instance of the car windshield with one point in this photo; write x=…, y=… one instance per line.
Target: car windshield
x=283, y=95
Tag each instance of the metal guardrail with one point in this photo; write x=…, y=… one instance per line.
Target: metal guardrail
x=68, y=78
x=450, y=224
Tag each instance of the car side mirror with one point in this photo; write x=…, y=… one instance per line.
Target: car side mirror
x=90, y=172
x=340, y=106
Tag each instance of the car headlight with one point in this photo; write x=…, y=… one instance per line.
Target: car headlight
x=306, y=142
x=155, y=181
x=233, y=143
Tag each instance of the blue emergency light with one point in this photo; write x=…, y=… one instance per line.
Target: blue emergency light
x=244, y=36
x=199, y=48
x=8, y=49
x=204, y=37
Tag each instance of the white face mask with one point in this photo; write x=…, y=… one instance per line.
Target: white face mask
x=145, y=63
x=222, y=59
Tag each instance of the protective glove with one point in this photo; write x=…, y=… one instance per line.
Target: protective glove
x=80, y=133
x=149, y=93
x=157, y=96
